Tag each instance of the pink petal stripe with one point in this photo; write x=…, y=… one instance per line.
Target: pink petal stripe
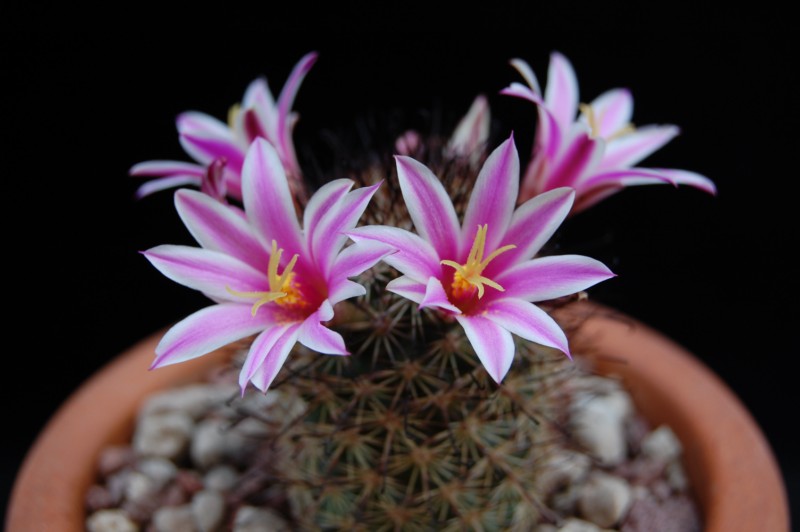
x=208, y=149
x=685, y=177
x=613, y=110
x=429, y=206
x=626, y=178
x=493, y=197
x=408, y=288
x=561, y=93
x=268, y=201
x=319, y=338
x=166, y=168
x=164, y=183
x=551, y=277
x=435, y=296
x=275, y=358
x=628, y=150
x=532, y=225
x=258, y=96
x=527, y=321
x=581, y=155
x=206, y=330
x=259, y=350
x=208, y=271
x=415, y=257
x=493, y=344
x=330, y=236
x=219, y=227
x=321, y=202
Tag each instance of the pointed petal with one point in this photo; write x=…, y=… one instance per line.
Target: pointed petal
x=200, y=124
x=519, y=90
x=415, y=257
x=359, y=257
x=613, y=111
x=206, y=330
x=472, y=132
x=580, y=156
x=551, y=277
x=319, y=338
x=208, y=149
x=341, y=290
x=561, y=93
x=258, y=96
x=164, y=183
x=166, y=168
x=286, y=120
x=685, y=177
x=429, y=206
x=493, y=344
x=330, y=234
x=626, y=178
x=435, y=296
x=321, y=202
x=219, y=227
x=627, y=150
x=273, y=361
x=267, y=199
x=258, y=352
x=527, y=74
x=210, y=272
x=493, y=197
x=532, y=225
x=527, y=321
x=408, y=288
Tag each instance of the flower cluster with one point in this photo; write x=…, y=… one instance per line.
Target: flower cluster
x=280, y=280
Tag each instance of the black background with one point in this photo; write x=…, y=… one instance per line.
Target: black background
x=87, y=102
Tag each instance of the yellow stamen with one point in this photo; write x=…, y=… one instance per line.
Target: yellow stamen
x=594, y=123
x=283, y=289
x=468, y=275
x=233, y=114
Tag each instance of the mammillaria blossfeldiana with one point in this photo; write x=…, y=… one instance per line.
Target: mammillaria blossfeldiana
x=596, y=153
x=267, y=275
x=212, y=142
x=482, y=272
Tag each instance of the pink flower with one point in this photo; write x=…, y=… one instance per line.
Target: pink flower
x=210, y=141
x=596, y=153
x=483, y=273
x=266, y=274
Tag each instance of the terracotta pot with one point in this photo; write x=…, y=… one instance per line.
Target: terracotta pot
x=730, y=464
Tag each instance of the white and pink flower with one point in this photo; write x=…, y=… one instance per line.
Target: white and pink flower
x=483, y=272
x=267, y=275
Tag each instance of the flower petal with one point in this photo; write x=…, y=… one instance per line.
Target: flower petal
x=685, y=177
x=527, y=74
x=415, y=257
x=493, y=197
x=492, y=343
x=166, y=168
x=259, y=350
x=199, y=124
x=219, y=227
x=472, y=131
x=580, y=155
x=551, y=277
x=206, y=330
x=408, y=288
x=613, y=111
x=210, y=272
x=345, y=289
x=357, y=258
x=627, y=150
x=275, y=357
x=429, y=206
x=317, y=337
x=330, y=234
x=527, y=321
x=321, y=202
x=164, y=183
x=285, y=119
x=267, y=199
x=435, y=296
x=208, y=149
x=561, y=93
x=532, y=225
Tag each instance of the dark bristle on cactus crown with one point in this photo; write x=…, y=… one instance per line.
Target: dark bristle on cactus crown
x=409, y=432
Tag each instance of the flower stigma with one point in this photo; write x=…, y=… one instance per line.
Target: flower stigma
x=468, y=276
x=284, y=290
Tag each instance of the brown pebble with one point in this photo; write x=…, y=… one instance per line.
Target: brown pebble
x=190, y=481
x=174, y=495
x=98, y=498
x=113, y=459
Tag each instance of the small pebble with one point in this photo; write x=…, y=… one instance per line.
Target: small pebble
x=208, y=444
x=662, y=445
x=189, y=481
x=98, y=498
x=604, y=499
x=194, y=400
x=112, y=459
x=174, y=519
x=221, y=478
x=561, y=468
x=208, y=509
x=598, y=425
x=110, y=521
x=140, y=489
x=163, y=435
x=574, y=524
x=160, y=470
x=676, y=476
x=252, y=519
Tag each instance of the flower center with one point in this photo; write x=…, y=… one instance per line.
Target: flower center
x=468, y=277
x=594, y=124
x=284, y=289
